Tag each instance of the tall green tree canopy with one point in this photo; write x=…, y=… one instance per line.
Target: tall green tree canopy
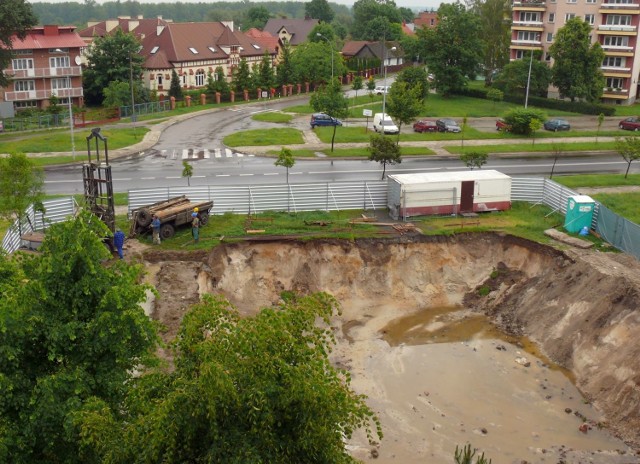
x=496, y=34
x=312, y=62
x=367, y=11
x=244, y=390
x=71, y=329
x=453, y=49
x=320, y=10
x=108, y=60
x=16, y=17
x=21, y=183
x=404, y=103
x=285, y=69
x=415, y=76
x=514, y=76
x=257, y=16
x=576, y=62
x=330, y=99
x=385, y=151
x=242, y=79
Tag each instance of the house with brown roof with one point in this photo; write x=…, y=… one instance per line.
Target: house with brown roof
x=193, y=49
x=388, y=52
x=427, y=19
x=291, y=30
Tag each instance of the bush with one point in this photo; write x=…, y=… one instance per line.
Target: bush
x=520, y=119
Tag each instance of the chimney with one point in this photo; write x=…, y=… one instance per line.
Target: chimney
x=51, y=29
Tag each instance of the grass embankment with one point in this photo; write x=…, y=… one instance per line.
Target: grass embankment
x=272, y=116
x=559, y=148
x=263, y=137
x=356, y=152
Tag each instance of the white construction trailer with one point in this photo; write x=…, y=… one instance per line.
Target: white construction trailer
x=441, y=193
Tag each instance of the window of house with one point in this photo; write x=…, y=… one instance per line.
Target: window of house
x=154, y=50
x=590, y=19
x=547, y=56
x=22, y=63
x=618, y=20
x=616, y=41
x=613, y=62
x=184, y=79
x=549, y=36
x=193, y=50
x=24, y=86
x=571, y=1
x=23, y=52
x=59, y=61
x=200, y=78
x=528, y=16
x=60, y=83
x=614, y=82
x=530, y=36
x=552, y=17
x=159, y=78
x=213, y=50
x=519, y=54
x=591, y=1
x=569, y=16
x=432, y=21
x=25, y=104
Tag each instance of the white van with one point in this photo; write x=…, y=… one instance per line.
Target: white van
x=380, y=89
x=383, y=123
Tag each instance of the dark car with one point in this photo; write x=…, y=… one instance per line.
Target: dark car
x=632, y=123
x=425, y=126
x=321, y=119
x=501, y=125
x=556, y=125
x=448, y=125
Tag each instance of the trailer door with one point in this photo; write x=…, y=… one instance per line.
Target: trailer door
x=466, y=196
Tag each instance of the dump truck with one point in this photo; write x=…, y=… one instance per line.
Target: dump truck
x=172, y=213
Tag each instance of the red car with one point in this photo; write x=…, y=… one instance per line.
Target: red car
x=501, y=125
x=632, y=123
x=425, y=126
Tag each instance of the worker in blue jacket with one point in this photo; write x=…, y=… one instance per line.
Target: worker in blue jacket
x=118, y=242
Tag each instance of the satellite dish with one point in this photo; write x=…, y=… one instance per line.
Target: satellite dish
x=78, y=60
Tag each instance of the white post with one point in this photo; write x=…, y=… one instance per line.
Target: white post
x=384, y=92
x=526, y=98
x=133, y=104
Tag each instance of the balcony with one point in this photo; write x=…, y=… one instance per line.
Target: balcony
x=614, y=69
x=530, y=43
x=43, y=94
x=528, y=23
x=616, y=48
x=44, y=72
x=534, y=3
x=620, y=6
x=616, y=28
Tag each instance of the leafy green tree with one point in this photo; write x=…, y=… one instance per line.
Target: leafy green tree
x=520, y=119
x=629, y=149
x=218, y=83
x=495, y=95
x=404, y=103
x=286, y=160
x=72, y=329
x=256, y=16
x=175, y=89
x=286, y=71
x=513, y=77
x=452, y=50
x=242, y=77
x=265, y=78
x=576, y=67
x=372, y=20
x=312, y=62
x=117, y=94
x=415, y=77
x=495, y=35
x=384, y=151
x=474, y=159
x=54, y=105
x=21, y=184
x=411, y=48
x=534, y=126
x=320, y=10
x=406, y=14
x=244, y=389
x=357, y=84
x=330, y=99
x=108, y=61
x=16, y=17
x=187, y=171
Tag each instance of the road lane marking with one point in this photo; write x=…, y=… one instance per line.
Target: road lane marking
x=271, y=174
x=147, y=178
x=173, y=177
x=245, y=175
x=223, y=175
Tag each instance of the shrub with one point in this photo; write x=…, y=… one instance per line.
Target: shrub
x=520, y=119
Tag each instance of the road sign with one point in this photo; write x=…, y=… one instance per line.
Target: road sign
x=367, y=113
x=265, y=94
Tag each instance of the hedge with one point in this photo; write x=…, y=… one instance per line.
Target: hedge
x=581, y=107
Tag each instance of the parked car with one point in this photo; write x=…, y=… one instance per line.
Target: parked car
x=632, y=123
x=384, y=124
x=556, y=125
x=380, y=89
x=448, y=125
x=321, y=119
x=425, y=125
x=501, y=125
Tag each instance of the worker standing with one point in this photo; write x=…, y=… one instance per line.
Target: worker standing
x=155, y=225
x=118, y=242
x=195, y=226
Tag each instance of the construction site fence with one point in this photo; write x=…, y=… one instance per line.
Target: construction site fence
x=365, y=195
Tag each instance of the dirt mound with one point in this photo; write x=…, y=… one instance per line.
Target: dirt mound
x=580, y=307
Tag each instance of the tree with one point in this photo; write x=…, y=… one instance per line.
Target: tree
x=415, y=77
x=256, y=16
x=369, y=15
x=576, y=68
x=404, y=103
x=187, y=171
x=629, y=149
x=285, y=159
x=357, y=84
x=72, y=330
x=330, y=99
x=452, y=50
x=520, y=119
x=495, y=95
x=244, y=389
x=286, y=74
x=320, y=10
x=534, y=126
x=384, y=151
x=514, y=77
x=242, y=77
x=217, y=83
x=175, y=89
x=496, y=34
x=474, y=159
x=117, y=94
x=108, y=61
x=265, y=79
x=16, y=18
x=312, y=62
x=21, y=183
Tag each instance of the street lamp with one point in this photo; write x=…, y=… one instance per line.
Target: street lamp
x=331, y=45
x=526, y=98
x=384, y=92
x=133, y=103
x=73, y=141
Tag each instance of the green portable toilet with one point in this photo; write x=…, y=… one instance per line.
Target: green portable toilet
x=579, y=213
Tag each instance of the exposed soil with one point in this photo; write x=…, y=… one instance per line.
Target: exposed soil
x=582, y=308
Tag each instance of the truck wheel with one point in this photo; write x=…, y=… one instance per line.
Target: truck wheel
x=143, y=217
x=204, y=218
x=167, y=231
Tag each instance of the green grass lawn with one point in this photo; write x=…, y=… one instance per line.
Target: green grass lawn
x=272, y=116
x=538, y=147
x=356, y=152
x=597, y=180
x=626, y=204
x=262, y=137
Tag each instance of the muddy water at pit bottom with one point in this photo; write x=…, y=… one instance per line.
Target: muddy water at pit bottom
x=443, y=383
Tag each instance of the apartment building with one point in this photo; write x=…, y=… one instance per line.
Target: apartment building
x=45, y=63
x=615, y=26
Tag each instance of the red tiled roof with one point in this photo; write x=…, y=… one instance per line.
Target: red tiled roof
x=66, y=37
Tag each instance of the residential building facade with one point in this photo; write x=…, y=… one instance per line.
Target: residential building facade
x=535, y=24
x=45, y=63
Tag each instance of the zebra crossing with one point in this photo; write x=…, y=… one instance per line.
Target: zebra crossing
x=195, y=154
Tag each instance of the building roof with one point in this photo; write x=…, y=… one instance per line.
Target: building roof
x=353, y=47
x=298, y=28
x=378, y=49
x=408, y=28
x=267, y=40
x=139, y=26
x=45, y=37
